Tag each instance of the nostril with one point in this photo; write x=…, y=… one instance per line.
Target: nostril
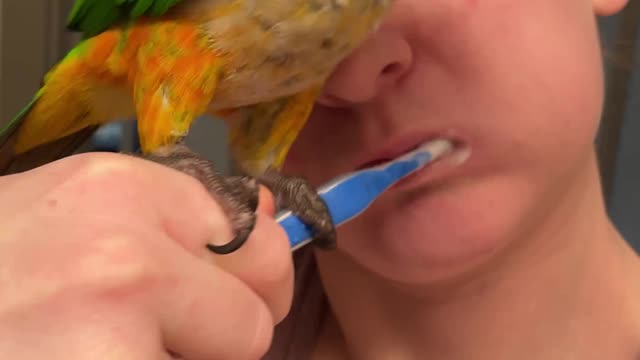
x=392, y=68
x=330, y=101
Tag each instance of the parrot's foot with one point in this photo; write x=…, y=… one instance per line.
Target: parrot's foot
x=298, y=196
x=237, y=195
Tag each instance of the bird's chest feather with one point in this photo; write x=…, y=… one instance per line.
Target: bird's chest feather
x=284, y=48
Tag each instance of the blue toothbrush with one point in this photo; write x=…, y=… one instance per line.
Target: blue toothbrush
x=349, y=195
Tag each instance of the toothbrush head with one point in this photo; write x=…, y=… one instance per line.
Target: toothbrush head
x=349, y=195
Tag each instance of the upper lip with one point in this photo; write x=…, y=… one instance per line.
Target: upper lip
x=395, y=147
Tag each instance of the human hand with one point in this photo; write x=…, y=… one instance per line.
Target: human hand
x=103, y=256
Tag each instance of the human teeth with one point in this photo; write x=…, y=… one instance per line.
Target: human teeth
x=458, y=156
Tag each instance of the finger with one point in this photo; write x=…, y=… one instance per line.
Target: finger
x=265, y=264
x=266, y=201
x=123, y=188
x=207, y=313
x=131, y=190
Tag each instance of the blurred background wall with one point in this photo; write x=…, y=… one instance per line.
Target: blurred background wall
x=619, y=138
x=32, y=38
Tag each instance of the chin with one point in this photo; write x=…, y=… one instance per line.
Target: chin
x=432, y=234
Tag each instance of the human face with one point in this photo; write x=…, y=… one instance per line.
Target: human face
x=519, y=83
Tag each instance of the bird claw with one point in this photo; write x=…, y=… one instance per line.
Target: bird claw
x=297, y=195
x=238, y=196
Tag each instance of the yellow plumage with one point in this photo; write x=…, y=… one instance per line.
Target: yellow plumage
x=262, y=61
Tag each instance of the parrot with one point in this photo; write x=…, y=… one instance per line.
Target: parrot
x=259, y=65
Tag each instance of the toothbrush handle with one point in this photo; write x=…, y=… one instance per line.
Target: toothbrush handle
x=350, y=195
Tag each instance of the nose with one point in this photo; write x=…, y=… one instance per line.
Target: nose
x=378, y=64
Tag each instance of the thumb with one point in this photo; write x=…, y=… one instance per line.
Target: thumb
x=266, y=202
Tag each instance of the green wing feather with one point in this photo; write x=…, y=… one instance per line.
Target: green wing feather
x=10, y=163
x=91, y=17
x=11, y=127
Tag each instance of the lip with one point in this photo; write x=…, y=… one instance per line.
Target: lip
x=400, y=145
x=439, y=169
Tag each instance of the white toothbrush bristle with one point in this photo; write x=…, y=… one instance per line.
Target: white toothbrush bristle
x=459, y=156
x=437, y=147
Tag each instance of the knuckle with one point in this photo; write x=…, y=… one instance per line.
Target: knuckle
x=129, y=173
x=105, y=180
x=117, y=265
x=263, y=334
x=104, y=166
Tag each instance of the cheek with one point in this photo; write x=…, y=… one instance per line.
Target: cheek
x=527, y=93
x=325, y=146
x=427, y=239
x=524, y=90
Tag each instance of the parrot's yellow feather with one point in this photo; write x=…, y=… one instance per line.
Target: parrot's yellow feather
x=262, y=60
x=261, y=135
x=162, y=72
x=75, y=96
x=85, y=105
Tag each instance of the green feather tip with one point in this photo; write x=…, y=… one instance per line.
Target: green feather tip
x=92, y=17
x=8, y=130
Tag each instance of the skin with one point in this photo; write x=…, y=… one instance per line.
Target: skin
x=509, y=255
x=538, y=276
x=259, y=65
x=101, y=286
